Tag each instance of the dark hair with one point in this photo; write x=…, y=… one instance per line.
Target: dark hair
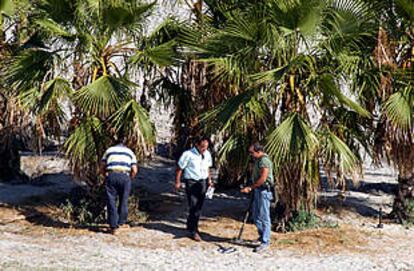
x=120, y=138
x=257, y=147
x=198, y=139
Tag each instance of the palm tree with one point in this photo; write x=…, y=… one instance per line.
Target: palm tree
x=286, y=64
x=15, y=124
x=83, y=55
x=387, y=87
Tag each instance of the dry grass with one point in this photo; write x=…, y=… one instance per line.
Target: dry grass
x=37, y=221
x=323, y=240
x=345, y=239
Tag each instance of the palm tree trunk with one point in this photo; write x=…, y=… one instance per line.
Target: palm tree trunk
x=403, y=208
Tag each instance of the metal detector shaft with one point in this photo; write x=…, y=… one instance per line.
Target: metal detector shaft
x=246, y=216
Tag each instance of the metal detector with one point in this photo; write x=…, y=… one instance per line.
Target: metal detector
x=238, y=240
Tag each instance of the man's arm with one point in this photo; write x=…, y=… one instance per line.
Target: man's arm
x=134, y=171
x=181, y=165
x=102, y=168
x=210, y=182
x=178, y=174
x=264, y=172
x=210, y=165
x=134, y=165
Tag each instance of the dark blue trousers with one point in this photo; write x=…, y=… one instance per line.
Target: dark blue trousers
x=118, y=185
x=196, y=193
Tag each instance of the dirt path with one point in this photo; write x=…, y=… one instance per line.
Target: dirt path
x=162, y=244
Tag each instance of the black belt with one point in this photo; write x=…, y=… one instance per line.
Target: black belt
x=265, y=186
x=193, y=180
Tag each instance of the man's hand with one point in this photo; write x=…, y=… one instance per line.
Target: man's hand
x=134, y=171
x=178, y=173
x=102, y=169
x=246, y=189
x=177, y=185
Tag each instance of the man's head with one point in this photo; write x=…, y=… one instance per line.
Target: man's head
x=201, y=143
x=256, y=150
x=120, y=138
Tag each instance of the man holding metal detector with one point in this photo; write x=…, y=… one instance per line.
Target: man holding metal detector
x=262, y=186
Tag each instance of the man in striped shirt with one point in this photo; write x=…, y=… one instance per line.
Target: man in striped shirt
x=119, y=166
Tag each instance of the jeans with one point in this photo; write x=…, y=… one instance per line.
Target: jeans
x=196, y=193
x=261, y=213
x=117, y=185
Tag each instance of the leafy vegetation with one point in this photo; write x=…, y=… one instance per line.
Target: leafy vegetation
x=318, y=82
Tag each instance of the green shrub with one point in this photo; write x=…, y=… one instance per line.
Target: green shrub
x=302, y=220
x=84, y=209
x=410, y=212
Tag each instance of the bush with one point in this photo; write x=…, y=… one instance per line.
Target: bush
x=81, y=208
x=410, y=211
x=303, y=220
x=84, y=209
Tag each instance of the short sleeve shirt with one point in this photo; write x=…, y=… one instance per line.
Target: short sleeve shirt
x=195, y=165
x=263, y=162
x=119, y=157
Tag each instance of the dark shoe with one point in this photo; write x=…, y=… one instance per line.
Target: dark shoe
x=255, y=243
x=261, y=248
x=114, y=231
x=196, y=237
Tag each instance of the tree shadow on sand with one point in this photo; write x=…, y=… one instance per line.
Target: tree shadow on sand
x=181, y=232
x=40, y=200
x=34, y=214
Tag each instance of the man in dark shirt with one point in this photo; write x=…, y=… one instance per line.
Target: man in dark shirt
x=263, y=181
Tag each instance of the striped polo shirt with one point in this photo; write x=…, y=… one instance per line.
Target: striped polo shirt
x=119, y=158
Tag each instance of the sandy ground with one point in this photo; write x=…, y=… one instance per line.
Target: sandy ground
x=29, y=240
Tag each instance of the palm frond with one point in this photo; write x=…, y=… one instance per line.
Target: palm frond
x=167, y=30
x=28, y=69
x=221, y=117
x=134, y=122
x=6, y=7
x=330, y=88
x=102, y=97
x=350, y=24
x=399, y=108
x=50, y=95
x=54, y=91
x=301, y=16
x=60, y=11
x=407, y=7
x=232, y=157
x=292, y=140
x=85, y=147
x=192, y=38
x=30, y=98
x=129, y=14
x=53, y=28
x=339, y=155
x=272, y=76
x=227, y=69
x=233, y=150
x=163, y=55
